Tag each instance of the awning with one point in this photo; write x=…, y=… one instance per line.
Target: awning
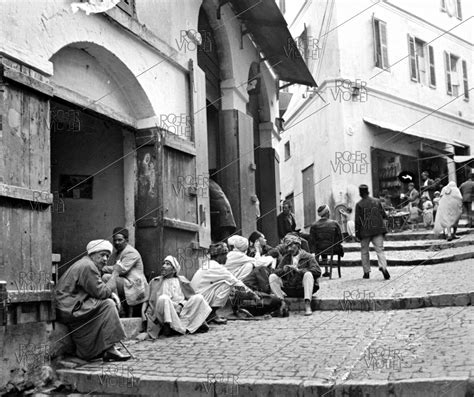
x=462, y=159
x=410, y=131
x=268, y=27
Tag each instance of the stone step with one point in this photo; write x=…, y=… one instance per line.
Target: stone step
x=194, y=386
x=411, y=257
x=370, y=303
x=390, y=245
x=422, y=234
x=61, y=343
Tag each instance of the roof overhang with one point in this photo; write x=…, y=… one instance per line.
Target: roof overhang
x=264, y=21
x=409, y=131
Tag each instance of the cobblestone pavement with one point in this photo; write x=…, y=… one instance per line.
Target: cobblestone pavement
x=326, y=347
x=406, y=281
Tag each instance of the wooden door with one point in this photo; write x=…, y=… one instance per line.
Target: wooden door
x=25, y=197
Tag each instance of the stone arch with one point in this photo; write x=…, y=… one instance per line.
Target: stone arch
x=221, y=37
x=94, y=72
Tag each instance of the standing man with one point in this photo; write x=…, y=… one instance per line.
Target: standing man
x=370, y=227
x=428, y=186
x=286, y=221
x=467, y=191
x=132, y=286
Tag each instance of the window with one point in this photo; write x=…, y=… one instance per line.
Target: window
x=464, y=80
x=282, y=6
x=302, y=41
x=379, y=29
x=421, y=61
x=128, y=6
x=453, y=68
x=287, y=150
x=309, y=201
x=452, y=8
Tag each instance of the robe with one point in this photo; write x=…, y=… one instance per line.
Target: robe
x=449, y=209
x=83, y=304
x=239, y=264
x=130, y=269
x=165, y=296
x=214, y=282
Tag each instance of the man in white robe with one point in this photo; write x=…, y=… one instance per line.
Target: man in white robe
x=215, y=282
x=238, y=263
x=173, y=307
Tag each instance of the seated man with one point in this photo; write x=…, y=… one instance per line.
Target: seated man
x=297, y=274
x=237, y=262
x=172, y=305
x=132, y=286
x=215, y=282
x=86, y=305
x=326, y=237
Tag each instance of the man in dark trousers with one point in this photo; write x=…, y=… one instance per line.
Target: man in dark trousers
x=467, y=191
x=285, y=221
x=370, y=227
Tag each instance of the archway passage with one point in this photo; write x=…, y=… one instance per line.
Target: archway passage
x=93, y=160
x=87, y=179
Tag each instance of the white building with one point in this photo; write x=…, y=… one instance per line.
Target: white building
x=393, y=95
x=119, y=118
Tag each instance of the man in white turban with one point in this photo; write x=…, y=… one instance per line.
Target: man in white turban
x=89, y=307
x=172, y=306
x=238, y=263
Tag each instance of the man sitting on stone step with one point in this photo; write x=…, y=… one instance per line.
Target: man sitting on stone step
x=297, y=274
x=172, y=306
x=89, y=307
x=215, y=282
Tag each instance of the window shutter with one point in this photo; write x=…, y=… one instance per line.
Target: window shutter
x=464, y=79
x=383, y=44
x=447, y=64
x=432, y=66
x=443, y=5
x=458, y=9
x=412, y=58
x=375, y=36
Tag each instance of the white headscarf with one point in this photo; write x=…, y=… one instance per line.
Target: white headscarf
x=174, y=262
x=239, y=242
x=99, y=245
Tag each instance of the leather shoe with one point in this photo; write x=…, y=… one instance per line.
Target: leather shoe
x=366, y=275
x=326, y=274
x=114, y=355
x=386, y=274
x=218, y=320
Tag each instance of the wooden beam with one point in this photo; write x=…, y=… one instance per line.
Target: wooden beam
x=182, y=225
x=23, y=193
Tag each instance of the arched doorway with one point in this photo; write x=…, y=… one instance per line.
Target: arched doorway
x=93, y=160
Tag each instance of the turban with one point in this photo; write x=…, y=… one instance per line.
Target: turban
x=323, y=210
x=291, y=239
x=218, y=249
x=99, y=245
x=239, y=242
x=122, y=231
x=174, y=262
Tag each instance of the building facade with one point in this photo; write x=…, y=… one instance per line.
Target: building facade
x=394, y=95
x=121, y=118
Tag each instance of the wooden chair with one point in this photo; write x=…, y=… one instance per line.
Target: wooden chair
x=330, y=262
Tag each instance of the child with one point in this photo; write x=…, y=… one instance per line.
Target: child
x=436, y=198
x=414, y=216
x=427, y=213
x=350, y=224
